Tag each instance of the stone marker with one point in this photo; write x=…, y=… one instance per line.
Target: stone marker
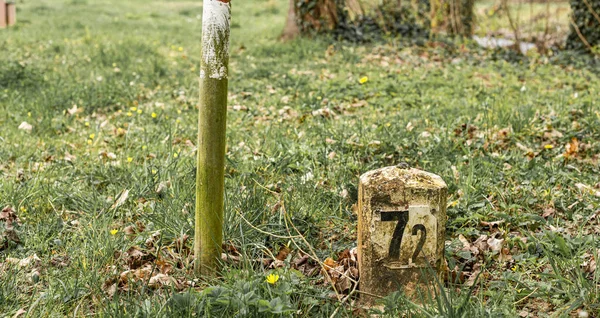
x=401, y=230
x=11, y=13
x=2, y=14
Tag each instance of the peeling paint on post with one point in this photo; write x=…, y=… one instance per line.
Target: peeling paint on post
x=216, y=15
x=401, y=230
x=212, y=111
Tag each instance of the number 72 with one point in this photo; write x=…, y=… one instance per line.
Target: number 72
x=402, y=218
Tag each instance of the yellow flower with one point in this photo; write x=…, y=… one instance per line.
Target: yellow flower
x=548, y=146
x=114, y=232
x=133, y=108
x=89, y=141
x=144, y=147
x=363, y=80
x=29, y=114
x=154, y=115
x=87, y=124
x=129, y=114
x=175, y=155
x=272, y=279
x=92, y=136
x=129, y=159
x=154, y=171
x=180, y=49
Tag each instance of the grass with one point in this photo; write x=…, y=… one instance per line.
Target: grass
x=110, y=88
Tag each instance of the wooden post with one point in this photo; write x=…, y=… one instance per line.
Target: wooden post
x=11, y=13
x=210, y=175
x=2, y=14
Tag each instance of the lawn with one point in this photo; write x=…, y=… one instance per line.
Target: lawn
x=97, y=162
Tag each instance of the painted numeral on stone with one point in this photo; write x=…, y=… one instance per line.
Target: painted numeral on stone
x=416, y=229
x=402, y=218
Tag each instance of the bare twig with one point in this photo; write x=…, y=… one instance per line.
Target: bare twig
x=522, y=299
x=265, y=232
x=581, y=37
x=344, y=300
x=514, y=26
x=594, y=13
x=314, y=254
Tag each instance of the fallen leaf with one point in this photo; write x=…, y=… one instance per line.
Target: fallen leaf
x=491, y=224
x=30, y=260
x=136, y=258
x=152, y=239
x=121, y=199
x=228, y=257
x=587, y=189
x=300, y=261
x=495, y=244
x=284, y=251
x=549, y=211
x=74, y=110
x=572, y=148
x=160, y=280
x=20, y=312
x=25, y=126
x=329, y=263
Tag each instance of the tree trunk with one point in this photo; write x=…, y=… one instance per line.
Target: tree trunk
x=456, y=17
x=210, y=175
x=291, y=29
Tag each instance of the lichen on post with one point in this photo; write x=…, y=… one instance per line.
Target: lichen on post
x=210, y=175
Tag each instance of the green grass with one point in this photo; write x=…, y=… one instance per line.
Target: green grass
x=467, y=115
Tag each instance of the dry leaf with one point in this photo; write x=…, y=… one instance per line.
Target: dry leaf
x=491, y=224
x=121, y=200
x=160, y=280
x=277, y=264
x=152, y=239
x=284, y=251
x=30, y=260
x=587, y=189
x=25, y=126
x=228, y=257
x=20, y=312
x=572, y=148
x=495, y=244
x=549, y=211
x=329, y=263
x=301, y=261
